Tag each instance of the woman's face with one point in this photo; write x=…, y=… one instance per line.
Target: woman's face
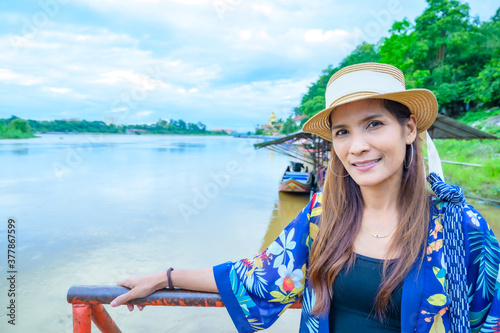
x=370, y=142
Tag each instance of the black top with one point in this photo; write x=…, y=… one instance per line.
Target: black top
x=352, y=308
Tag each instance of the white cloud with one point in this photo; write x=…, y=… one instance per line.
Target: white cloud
x=144, y=113
x=143, y=81
x=262, y=8
x=59, y=90
x=245, y=34
x=184, y=2
x=118, y=110
x=7, y=75
x=318, y=35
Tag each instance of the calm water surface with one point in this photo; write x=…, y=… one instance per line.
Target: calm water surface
x=96, y=209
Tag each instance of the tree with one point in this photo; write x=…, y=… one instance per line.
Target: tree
x=20, y=125
x=182, y=124
x=486, y=87
x=365, y=52
x=289, y=126
x=202, y=127
x=395, y=50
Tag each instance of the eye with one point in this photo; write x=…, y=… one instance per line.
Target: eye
x=341, y=132
x=374, y=123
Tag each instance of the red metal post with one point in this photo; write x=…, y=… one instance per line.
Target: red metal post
x=81, y=318
x=87, y=304
x=103, y=320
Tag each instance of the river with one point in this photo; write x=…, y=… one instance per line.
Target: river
x=94, y=209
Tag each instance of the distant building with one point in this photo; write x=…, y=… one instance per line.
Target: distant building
x=135, y=130
x=298, y=119
x=225, y=130
x=273, y=127
x=272, y=120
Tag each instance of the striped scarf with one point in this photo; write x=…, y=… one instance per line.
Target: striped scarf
x=454, y=251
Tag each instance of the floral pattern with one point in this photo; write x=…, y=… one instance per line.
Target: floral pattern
x=257, y=291
x=282, y=247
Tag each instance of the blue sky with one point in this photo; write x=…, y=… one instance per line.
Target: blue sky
x=226, y=63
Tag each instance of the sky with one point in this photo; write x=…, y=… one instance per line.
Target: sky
x=225, y=63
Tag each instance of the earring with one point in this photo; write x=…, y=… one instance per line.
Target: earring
x=334, y=172
x=411, y=160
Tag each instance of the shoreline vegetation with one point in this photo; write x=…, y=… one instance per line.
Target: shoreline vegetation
x=17, y=128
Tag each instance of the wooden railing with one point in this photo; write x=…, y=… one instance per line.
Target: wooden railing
x=87, y=302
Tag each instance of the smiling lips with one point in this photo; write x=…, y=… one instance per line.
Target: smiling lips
x=366, y=165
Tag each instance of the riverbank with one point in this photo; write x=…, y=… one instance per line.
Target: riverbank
x=15, y=134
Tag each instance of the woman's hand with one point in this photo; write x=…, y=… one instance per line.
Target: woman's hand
x=144, y=285
x=140, y=286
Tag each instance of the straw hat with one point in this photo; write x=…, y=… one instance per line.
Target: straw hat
x=368, y=81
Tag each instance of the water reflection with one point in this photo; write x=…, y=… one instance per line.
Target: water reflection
x=285, y=210
x=21, y=151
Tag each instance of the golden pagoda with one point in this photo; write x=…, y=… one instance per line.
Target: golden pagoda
x=273, y=119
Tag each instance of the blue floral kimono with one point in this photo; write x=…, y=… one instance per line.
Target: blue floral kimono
x=257, y=291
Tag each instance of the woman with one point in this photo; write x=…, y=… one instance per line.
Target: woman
x=367, y=253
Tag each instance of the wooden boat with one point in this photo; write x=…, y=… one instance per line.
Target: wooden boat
x=296, y=178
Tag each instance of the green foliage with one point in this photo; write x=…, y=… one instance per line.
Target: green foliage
x=19, y=128
x=364, y=52
x=482, y=181
x=289, y=126
x=312, y=106
x=395, y=49
x=445, y=50
x=15, y=128
x=471, y=117
x=486, y=121
x=20, y=125
x=486, y=87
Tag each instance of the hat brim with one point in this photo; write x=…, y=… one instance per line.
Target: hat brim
x=421, y=102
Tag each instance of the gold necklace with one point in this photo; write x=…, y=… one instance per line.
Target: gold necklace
x=381, y=236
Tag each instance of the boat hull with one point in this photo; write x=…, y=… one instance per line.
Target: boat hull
x=293, y=185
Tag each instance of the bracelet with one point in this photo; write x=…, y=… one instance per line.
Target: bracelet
x=169, y=278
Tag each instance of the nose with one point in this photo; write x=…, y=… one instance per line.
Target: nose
x=359, y=144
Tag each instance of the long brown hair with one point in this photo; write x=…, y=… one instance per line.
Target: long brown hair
x=342, y=212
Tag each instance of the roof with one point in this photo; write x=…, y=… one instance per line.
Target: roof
x=448, y=128
x=297, y=118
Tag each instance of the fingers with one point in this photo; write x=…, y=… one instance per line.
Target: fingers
x=139, y=287
x=116, y=302
x=122, y=299
x=125, y=283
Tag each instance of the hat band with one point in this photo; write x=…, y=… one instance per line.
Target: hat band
x=366, y=81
